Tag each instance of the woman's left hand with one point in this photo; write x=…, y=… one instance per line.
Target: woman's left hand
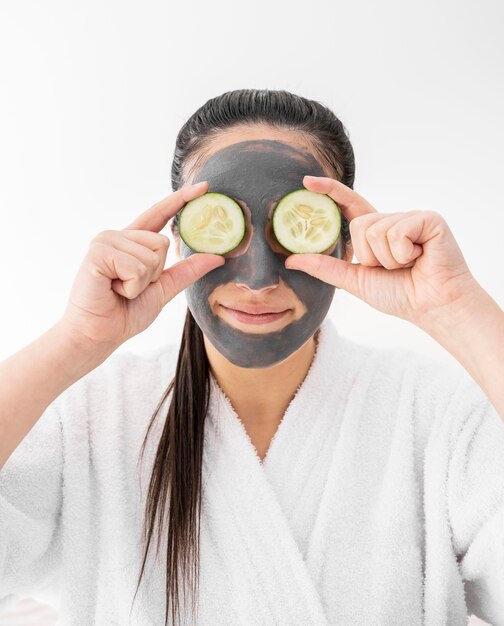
x=409, y=265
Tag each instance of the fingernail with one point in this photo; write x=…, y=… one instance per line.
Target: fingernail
x=203, y=182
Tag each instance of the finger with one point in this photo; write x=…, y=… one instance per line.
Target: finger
x=156, y=218
x=350, y=202
x=391, y=229
x=336, y=272
x=129, y=276
x=150, y=248
x=402, y=241
x=424, y=226
x=153, y=241
x=185, y=272
x=361, y=246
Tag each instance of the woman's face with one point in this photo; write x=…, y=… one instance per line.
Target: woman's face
x=252, y=309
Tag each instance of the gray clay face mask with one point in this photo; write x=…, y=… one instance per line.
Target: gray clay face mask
x=257, y=174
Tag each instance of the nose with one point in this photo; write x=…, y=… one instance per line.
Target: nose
x=258, y=269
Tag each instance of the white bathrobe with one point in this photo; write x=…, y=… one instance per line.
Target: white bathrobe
x=380, y=501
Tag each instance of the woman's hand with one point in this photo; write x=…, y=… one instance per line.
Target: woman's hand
x=409, y=265
x=122, y=286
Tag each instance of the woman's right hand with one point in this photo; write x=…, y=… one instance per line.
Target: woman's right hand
x=122, y=286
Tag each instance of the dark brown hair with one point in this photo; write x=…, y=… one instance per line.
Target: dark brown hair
x=177, y=471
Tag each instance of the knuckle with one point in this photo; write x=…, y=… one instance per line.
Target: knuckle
x=154, y=259
x=103, y=235
x=97, y=247
x=400, y=251
x=141, y=270
x=435, y=215
x=362, y=257
x=355, y=232
x=394, y=233
x=161, y=254
x=372, y=233
x=352, y=225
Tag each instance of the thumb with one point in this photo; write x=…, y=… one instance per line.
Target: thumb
x=180, y=275
x=336, y=272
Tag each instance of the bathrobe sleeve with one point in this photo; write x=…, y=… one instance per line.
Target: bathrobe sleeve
x=475, y=492
x=30, y=512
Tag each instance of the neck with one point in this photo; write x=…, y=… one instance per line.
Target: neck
x=277, y=384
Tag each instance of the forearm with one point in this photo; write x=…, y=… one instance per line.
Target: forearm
x=473, y=332
x=31, y=379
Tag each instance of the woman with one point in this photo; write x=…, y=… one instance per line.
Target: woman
x=295, y=477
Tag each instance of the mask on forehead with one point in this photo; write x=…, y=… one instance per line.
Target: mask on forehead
x=257, y=174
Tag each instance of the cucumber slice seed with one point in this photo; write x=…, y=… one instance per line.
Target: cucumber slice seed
x=212, y=223
x=303, y=222
x=306, y=222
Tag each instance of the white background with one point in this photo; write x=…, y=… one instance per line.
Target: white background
x=94, y=93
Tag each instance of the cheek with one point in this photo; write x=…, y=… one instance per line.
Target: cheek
x=198, y=303
x=313, y=293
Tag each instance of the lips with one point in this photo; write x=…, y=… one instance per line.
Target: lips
x=261, y=314
x=254, y=309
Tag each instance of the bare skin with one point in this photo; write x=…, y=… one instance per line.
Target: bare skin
x=260, y=413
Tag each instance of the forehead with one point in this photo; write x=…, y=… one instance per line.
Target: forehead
x=256, y=169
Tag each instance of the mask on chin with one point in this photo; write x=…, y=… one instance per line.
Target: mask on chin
x=257, y=174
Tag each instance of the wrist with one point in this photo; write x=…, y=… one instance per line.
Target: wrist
x=473, y=333
x=79, y=354
x=471, y=310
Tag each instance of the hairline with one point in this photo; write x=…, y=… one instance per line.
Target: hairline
x=197, y=160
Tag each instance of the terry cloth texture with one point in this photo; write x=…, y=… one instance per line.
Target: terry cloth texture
x=380, y=501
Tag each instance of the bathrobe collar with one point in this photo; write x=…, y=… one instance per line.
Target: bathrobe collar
x=251, y=512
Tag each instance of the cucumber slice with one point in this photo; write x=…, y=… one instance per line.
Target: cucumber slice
x=306, y=222
x=212, y=223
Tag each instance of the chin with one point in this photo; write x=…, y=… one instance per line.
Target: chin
x=258, y=350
